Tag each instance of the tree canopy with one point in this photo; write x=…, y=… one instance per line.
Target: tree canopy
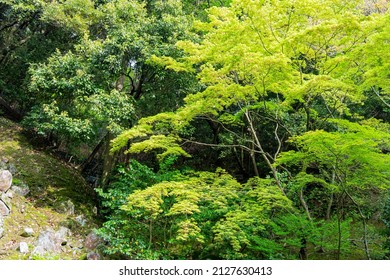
x=237, y=129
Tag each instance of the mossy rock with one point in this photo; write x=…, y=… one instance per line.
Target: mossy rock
x=51, y=183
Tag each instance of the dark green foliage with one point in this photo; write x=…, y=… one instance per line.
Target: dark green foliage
x=266, y=122
x=386, y=220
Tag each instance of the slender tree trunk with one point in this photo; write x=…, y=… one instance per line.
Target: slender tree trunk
x=108, y=160
x=339, y=237
x=303, y=249
x=150, y=233
x=304, y=204
x=365, y=240
x=328, y=210
x=97, y=148
x=254, y=163
x=215, y=127
x=262, y=152
x=239, y=160
x=10, y=112
x=340, y=215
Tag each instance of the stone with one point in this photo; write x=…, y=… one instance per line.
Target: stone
x=67, y=207
x=23, y=247
x=76, y=244
x=93, y=256
x=62, y=235
x=38, y=250
x=92, y=241
x=9, y=194
x=50, y=241
x=1, y=226
x=81, y=220
x=3, y=165
x=12, y=169
x=27, y=232
x=6, y=199
x=47, y=243
x=21, y=190
x=4, y=209
x=5, y=180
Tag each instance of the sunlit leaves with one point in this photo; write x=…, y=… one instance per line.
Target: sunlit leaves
x=353, y=154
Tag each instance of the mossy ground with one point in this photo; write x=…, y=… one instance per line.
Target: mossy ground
x=51, y=183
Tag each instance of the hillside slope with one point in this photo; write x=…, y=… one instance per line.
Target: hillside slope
x=59, y=201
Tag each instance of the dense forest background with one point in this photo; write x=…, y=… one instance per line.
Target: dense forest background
x=243, y=129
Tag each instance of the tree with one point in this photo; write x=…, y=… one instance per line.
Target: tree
x=273, y=71
x=88, y=94
x=183, y=214
x=27, y=35
x=255, y=69
x=349, y=163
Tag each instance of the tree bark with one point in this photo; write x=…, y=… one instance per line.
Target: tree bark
x=97, y=148
x=9, y=112
x=264, y=155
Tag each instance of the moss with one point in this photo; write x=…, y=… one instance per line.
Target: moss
x=51, y=182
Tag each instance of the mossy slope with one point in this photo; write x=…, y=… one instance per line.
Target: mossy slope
x=51, y=183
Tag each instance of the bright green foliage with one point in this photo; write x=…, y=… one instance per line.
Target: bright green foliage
x=268, y=58
x=282, y=84
x=374, y=58
x=77, y=15
x=161, y=142
x=193, y=215
x=349, y=165
x=350, y=157
x=386, y=220
x=278, y=109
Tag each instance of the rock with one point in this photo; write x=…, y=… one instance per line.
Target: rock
x=93, y=256
x=47, y=243
x=4, y=209
x=27, y=232
x=23, y=248
x=38, y=250
x=22, y=209
x=12, y=169
x=10, y=194
x=21, y=190
x=81, y=220
x=50, y=241
x=76, y=244
x=5, y=180
x=92, y=241
x=3, y=164
x=61, y=236
x=6, y=199
x=67, y=207
x=1, y=226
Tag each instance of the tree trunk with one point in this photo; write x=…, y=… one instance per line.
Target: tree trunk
x=304, y=204
x=9, y=112
x=97, y=148
x=303, y=249
x=108, y=159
